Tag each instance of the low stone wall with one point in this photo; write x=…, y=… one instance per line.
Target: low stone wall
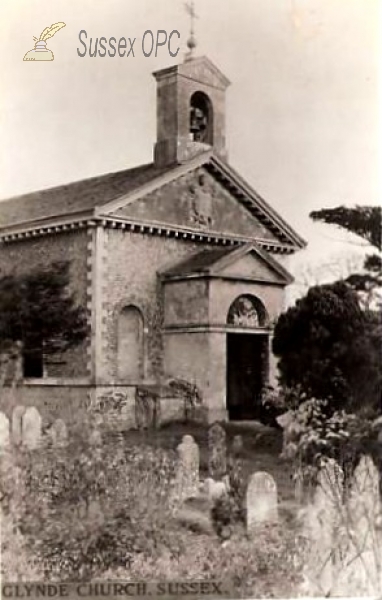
x=53, y=400
x=120, y=407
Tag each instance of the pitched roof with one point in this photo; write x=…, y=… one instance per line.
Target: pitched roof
x=80, y=196
x=101, y=196
x=198, y=263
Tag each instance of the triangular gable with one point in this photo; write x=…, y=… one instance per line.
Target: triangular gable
x=252, y=263
x=202, y=69
x=247, y=262
x=221, y=204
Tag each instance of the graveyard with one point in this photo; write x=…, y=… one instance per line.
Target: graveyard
x=182, y=501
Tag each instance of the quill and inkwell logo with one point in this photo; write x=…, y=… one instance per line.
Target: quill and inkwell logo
x=40, y=51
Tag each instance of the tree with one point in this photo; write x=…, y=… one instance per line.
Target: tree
x=330, y=348
x=38, y=312
x=366, y=223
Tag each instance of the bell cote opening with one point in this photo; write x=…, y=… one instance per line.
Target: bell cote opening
x=201, y=126
x=190, y=111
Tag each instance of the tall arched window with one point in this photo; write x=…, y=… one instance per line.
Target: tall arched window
x=201, y=118
x=247, y=311
x=130, y=344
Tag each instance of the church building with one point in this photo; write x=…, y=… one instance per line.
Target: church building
x=180, y=265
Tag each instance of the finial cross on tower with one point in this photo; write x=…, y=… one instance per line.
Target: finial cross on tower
x=191, y=42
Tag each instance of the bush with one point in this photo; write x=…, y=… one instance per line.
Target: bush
x=312, y=436
x=84, y=509
x=330, y=348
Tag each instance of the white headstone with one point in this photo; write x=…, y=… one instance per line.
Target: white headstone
x=261, y=500
x=17, y=416
x=59, y=433
x=31, y=428
x=4, y=431
x=364, y=505
x=322, y=519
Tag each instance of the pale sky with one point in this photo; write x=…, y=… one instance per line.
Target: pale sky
x=301, y=111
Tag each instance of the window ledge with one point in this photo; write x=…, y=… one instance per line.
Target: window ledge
x=57, y=381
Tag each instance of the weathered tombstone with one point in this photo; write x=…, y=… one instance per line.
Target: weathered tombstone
x=217, y=452
x=237, y=444
x=58, y=433
x=17, y=416
x=261, y=500
x=322, y=518
x=4, y=431
x=364, y=504
x=187, y=477
x=31, y=428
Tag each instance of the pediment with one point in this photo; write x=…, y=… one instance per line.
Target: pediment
x=204, y=195
x=203, y=70
x=197, y=200
x=245, y=263
x=252, y=267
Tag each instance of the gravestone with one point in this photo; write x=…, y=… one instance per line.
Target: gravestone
x=364, y=505
x=261, y=500
x=187, y=476
x=237, y=445
x=361, y=574
x=58, y=433
x=217, y=452
x=31, y=428
x=4, y=431
x=17, y=416
x=322, y=518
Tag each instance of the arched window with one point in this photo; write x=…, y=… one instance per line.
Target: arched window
x=130, y=344
x=247, y=311
x=201, y=118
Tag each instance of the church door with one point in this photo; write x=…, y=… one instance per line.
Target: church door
x=247, y=356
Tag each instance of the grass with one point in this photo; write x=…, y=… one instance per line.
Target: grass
x=261, y=448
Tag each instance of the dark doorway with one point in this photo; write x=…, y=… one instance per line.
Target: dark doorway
x=247, y=370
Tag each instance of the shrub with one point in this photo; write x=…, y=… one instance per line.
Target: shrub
x=84, y=509
x=330, y=347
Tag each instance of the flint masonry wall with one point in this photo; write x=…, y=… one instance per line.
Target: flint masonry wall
x=133, y=261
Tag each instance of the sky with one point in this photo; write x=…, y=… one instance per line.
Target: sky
x=302, y=108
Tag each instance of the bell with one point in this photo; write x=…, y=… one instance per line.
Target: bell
x=40, y=52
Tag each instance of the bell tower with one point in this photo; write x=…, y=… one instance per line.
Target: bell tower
x=190, y=111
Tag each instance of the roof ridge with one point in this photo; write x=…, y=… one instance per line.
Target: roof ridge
x=61, y=186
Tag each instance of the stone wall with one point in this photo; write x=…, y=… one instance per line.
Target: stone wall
x=65, y=400
x=133, y=262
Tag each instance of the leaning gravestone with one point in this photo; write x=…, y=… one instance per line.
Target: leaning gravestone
x=321, y=521
x=364, y=505
x=4, y=431
x=59, y=433
x=261, y=500
x=187, y=475
x=17, y=416
x=31, y=428
x=217, y=452
x=361, y=563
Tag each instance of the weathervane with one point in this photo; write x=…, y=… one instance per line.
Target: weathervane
x=191, y=42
